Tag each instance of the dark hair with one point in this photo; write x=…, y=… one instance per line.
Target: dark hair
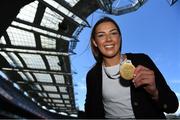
x=96, y=53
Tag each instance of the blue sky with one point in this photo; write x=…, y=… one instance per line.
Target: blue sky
x=153, y=29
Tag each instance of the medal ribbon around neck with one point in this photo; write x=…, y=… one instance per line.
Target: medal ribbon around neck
x=117, y=75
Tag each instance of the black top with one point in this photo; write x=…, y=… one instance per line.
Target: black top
x=142, y=103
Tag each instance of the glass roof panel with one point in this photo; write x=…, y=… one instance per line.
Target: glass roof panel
x=63, y=89
x=57, y=101
x=42, y=94
x=64, y=10
x=43, y=77
x=37, y=87
x=2, y=40
x=72, y=2
x=33, y=61
x=47, y=100
x=59, y=78
x=122, y=3
x=65, y=96
x=45, y=95
x=68, y=105
x=48, y=42
x=27, y=13
x=3, y=75
x=50, y=104
x=29, y=76
x=36, y=29
x=21, y=38
x=60, y=105
x=67, y=101
x=23, y=76
x=8, y=59
x=51, y=19
x=50, y=88
x=53, y=62
x=54, y=95
x=16, y=60
x=16, y=86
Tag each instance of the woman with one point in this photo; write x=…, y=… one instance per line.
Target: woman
x=147, y=95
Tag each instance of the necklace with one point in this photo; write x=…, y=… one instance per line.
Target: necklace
x=114, y=75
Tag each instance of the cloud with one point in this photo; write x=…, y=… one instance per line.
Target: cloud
x=175, y=81
x=177, y=94
x=178, y=111
x=81, y=85
x=80, y=92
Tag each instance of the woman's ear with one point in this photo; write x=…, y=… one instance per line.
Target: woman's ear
x=94, y=42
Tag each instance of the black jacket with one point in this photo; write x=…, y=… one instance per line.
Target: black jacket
x=142, y=103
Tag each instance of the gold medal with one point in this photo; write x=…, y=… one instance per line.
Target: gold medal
x=127, y=70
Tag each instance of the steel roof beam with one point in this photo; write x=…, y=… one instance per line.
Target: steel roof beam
x=36, y=71
x=43, y=83
x=36, y=29
x=107, y=7
x=40, y=27
x=31, y=51
x=59, y=12
x=39, y=91
x=64, y=4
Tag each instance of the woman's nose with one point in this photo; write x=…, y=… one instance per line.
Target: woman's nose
x=108, y=37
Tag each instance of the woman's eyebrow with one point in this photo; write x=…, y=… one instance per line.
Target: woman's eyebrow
x=109, y=31
x=99, y=32
x=113, y=30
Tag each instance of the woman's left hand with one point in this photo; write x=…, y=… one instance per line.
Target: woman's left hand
x=145, y=77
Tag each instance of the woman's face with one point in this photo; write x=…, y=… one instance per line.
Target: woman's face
x=107, y=39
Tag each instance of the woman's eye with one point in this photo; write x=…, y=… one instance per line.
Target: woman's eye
x=100, y=35
x=114, y=33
